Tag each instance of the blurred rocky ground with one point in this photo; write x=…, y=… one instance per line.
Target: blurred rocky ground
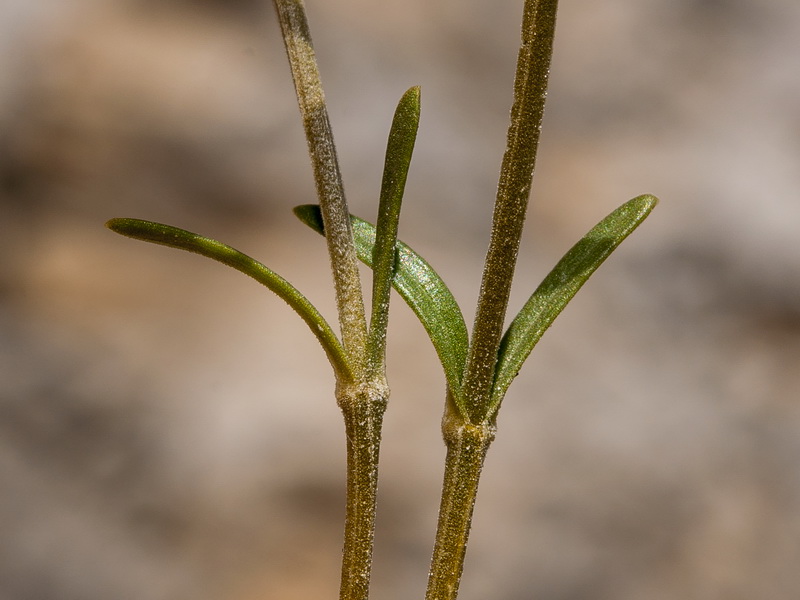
x=167, y=428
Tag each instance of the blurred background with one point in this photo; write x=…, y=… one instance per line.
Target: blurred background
x=167, y=427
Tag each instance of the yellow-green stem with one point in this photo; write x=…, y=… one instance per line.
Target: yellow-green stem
x=363, y=407
x=516, y=172
x=467, y=445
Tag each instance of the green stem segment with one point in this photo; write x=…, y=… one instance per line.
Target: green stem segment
x=468, y=426
x=363, y=409
x=362, y=401
x=467, y=445
x=516, y=173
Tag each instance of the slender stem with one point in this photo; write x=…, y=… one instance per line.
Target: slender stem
x=530, y=89
x=362, y=400
x=467, y=445
x=363, y=408
x=469, y=435
x=328, y=179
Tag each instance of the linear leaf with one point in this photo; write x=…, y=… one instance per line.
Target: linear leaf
x=174, y=237
x=424, y=291
x=399, y=149
x=559, y=287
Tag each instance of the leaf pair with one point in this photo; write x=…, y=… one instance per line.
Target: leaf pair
x=420, y=286
x=433, y=303
x=396, y=264
x=402, y=137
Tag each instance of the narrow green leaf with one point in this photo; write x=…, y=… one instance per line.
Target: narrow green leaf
x=185, y=240
x=560, y=285
x=399, y=149
x=424, y=291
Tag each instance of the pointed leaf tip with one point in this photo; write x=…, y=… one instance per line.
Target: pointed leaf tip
x=560, y=286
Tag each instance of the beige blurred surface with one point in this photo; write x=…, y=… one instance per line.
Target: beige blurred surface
x=167, y=428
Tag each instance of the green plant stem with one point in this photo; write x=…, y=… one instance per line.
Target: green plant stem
x=468, y=427
x=363, y=408
x=328, y=179
x=362, y=401
x=516, y=172
x=467, y=445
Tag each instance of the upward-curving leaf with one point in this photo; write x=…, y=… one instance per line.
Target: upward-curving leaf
x=558, y=288
x=424, y=291
x=174, y=237
x=399, y=149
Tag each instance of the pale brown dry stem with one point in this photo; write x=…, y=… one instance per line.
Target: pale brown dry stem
x=362, y=396
x=328, y=179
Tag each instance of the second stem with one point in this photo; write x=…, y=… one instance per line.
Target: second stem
x=467, y=445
